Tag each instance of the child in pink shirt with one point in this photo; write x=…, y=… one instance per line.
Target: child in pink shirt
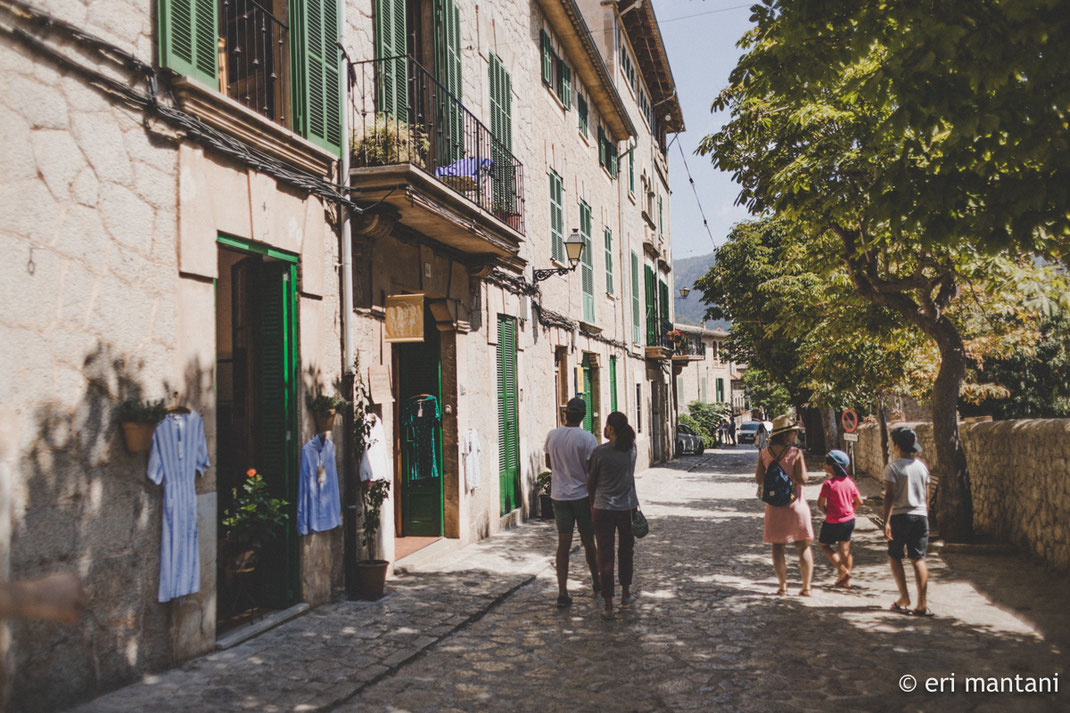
x=838, y=499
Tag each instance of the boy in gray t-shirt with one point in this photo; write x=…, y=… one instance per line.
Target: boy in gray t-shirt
x=906, y=518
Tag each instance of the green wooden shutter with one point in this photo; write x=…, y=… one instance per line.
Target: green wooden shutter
x=720, y=391
x=587, y=264
x=448, y=73
x=613, y=383
x=320, y=103
x=661, y=224
x=609, y=260
x=391, y=67
x=611, y=157
x=508, y=439
x=663, y=293
x=601, y=146
x=564, y=83
x=631, y=170
x=188, y=36
x=275, y=456
x=588, y=398
x=557, y=218
x=501, y=127
x=547, y=59
x=635, y=298
x=581, y=109
x=652, y=339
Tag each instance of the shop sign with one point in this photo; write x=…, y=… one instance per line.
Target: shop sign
x=405, y=318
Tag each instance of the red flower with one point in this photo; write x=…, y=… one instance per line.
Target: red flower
x=251, y=473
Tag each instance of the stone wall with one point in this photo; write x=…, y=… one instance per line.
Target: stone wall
x=1019, y=478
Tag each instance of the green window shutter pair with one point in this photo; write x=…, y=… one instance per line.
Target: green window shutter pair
x=391, y=67
x=508, y=438
x=564, y=83
x=587, y=264
x=581, y=109
x=547, y=59
x=613, y=383
x=557, y=218
x=663, y=290
x=720, y=391
x=188, y=36
x=611, y=156
x=609, y=261
x=652, y=337
x=188, y=44
x=635, y=298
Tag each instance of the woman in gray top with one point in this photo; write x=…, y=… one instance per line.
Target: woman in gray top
x=611, y=487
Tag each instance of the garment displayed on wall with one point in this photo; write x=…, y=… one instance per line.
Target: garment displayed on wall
x=420, y=419
x=470, y=450
x=318, y=506
x=179, y=451
x=375, y=463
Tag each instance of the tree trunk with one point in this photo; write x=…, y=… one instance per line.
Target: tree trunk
x=952, y=508
x=882, y=416
x=828, y=415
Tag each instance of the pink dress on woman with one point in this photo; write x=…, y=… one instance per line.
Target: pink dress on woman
x=786, y=523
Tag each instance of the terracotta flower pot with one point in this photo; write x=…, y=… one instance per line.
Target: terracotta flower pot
x=371, y=578
x=138, y=436
x=324, y=421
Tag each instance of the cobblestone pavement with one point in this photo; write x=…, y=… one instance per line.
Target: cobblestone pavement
x=479, y=631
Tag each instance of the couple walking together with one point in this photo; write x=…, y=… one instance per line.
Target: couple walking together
x=906, y=525
x=593, y=490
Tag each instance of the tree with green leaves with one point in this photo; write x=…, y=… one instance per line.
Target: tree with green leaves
x=911, y=141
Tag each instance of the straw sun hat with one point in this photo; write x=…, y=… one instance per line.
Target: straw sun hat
x=782, y=424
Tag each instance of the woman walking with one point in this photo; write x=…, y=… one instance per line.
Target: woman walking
x=787, y=523
x=611, y=487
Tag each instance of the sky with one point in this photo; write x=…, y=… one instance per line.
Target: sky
x=700, y=37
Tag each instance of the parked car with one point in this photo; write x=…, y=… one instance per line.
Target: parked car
x=747, y=432
x=687, y=441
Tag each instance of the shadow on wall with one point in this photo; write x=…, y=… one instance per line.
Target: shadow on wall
x=90, y=508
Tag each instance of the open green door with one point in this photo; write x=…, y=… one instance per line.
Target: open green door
x=420, y=429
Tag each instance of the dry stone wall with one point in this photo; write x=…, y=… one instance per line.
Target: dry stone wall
x=1019, y=478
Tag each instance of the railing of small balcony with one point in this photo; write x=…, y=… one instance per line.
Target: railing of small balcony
x=399, y=113
x=656, y=331
x=691, y=347
x=255, y=45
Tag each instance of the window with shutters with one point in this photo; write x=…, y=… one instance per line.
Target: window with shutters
x=635, y=298
x=607, y=152
x=587, y=263
x=653, y=336
x=564, y=83
x=613, y=383
x=631, y=170
x=608, y=236
x=556, y=74
x=557, y=218
x=581, y=111
x=720, y=391
x=501, y=128
x=661, y=218
x=638, y=408
x=280, y=59
x=663, y=305
x=508, y=432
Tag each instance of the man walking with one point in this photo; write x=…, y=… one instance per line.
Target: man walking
x=906, y=518
x=567, y=449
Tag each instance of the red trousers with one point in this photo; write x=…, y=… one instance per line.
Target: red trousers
x=606, y=524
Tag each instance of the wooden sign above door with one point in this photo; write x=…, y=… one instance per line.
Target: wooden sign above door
x=405, y=318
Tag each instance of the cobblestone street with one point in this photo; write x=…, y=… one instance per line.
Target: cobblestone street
x=479, y=631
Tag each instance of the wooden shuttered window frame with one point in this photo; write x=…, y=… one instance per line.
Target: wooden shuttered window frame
x=635, y=298
x=508, y=433
x=582, y=113
x=587, y=264
x=319, y=103
x=613, y=383
x=608, y=237
x=188, y=39
x=448, y=113
x=652, y=339
x=557, y=218
x=564, y=82
x=501, y=127
x=391, y=66
x=547, y=59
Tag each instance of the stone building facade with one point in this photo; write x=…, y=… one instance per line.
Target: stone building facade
x=711, y=377
x=185, y=226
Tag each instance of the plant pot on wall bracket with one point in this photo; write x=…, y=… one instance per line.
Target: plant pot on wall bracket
x=371, y=578
x=138, y=436
x=324, y=420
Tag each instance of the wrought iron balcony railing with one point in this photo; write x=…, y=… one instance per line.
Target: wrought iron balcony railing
x=401, y=114
x=255, y=48
x=656, y=329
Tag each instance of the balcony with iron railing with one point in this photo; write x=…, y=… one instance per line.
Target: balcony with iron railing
x=254, y=49
x=402, y=116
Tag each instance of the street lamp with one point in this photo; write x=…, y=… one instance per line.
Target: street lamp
x=685, y=291
x=573, y=249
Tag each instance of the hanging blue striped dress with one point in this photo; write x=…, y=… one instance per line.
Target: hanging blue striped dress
x=179, y=451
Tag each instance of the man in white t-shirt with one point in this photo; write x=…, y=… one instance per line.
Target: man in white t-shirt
x=567, y=449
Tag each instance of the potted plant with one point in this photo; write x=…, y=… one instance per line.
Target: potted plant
x=251, y=522
x=371, y=572
x=387, y=142
x=138, y=421
x=674, y=336
x=542, y=485
x=324, y=408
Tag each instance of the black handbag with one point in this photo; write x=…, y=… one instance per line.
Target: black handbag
x=639, y=524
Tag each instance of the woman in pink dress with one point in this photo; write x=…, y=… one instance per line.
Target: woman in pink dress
x=787, y=523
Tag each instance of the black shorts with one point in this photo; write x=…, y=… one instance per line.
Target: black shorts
x=911, y=532
x=833, y=532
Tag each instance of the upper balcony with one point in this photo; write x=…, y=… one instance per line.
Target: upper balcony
x=417, y=149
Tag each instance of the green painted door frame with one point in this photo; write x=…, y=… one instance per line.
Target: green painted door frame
x=419, y=368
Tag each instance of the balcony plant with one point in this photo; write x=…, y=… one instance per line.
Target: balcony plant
x=324, y=408
x=138, y=421
x=371, y=572
x=542, y=486
x=389, y=141
x=674, y=336
x=253, y=521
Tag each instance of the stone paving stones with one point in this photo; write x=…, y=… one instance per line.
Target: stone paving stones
x=478, y=630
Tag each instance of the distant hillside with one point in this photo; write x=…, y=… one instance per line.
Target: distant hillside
x=690, y=310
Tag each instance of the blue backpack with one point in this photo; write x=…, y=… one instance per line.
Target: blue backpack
x=778, y=488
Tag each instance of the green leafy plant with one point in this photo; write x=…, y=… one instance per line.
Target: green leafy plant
x=388, y=142
x=255, y=518
x=375, y=492
x=542, y=482
x=323, y=403
x=137, y=411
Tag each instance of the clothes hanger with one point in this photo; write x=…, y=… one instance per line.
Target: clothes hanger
x=176, y=408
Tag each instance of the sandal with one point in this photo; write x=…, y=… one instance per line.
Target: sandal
x=628, y=600
x=563, y=600
x=899, y=609
x=805, y=592
x=926, y=612
x=609, y=614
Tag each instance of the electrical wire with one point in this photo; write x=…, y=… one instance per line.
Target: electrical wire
x=694, y=190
